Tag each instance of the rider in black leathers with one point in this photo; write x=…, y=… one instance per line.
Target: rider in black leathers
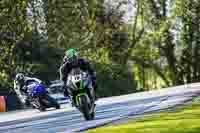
x=70, y=61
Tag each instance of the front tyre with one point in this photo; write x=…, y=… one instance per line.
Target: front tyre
x=85, y=107
x=42, y=108
x=36, y=103
x=92, y=115
x=52, y=102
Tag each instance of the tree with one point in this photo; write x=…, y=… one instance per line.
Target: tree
x=79, y=24
x=171, y=36
x=13, y=28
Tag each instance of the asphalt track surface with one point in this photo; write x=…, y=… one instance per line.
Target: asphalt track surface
x=109, y=110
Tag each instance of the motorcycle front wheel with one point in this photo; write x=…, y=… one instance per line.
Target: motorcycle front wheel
x=51, y=102
x=85, y=108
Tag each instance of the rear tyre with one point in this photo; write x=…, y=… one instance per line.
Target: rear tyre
x=57, y=106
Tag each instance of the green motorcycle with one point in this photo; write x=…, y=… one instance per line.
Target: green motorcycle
x=82, y=92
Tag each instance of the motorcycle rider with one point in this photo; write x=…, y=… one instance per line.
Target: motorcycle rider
x=21, y=83
x=72, y=60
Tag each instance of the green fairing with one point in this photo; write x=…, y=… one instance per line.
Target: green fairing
x=81, y=94
x=81, y=85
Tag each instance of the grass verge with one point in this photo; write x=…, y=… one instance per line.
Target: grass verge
x=183, y=120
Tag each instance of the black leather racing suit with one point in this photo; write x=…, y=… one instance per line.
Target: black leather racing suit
x=84, y=65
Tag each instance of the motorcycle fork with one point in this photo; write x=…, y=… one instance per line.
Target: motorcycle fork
x=36, y=102
x=90, y=93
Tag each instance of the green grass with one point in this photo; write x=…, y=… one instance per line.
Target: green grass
x=183, y=120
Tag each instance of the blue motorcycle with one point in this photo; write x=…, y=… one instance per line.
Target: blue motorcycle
x=39, y=97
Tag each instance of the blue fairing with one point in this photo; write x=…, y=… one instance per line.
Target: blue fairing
x=38, y=90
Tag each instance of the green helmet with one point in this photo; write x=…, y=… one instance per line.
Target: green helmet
x=71, y=54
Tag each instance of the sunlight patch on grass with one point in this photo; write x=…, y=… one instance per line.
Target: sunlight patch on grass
x=183, y=120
